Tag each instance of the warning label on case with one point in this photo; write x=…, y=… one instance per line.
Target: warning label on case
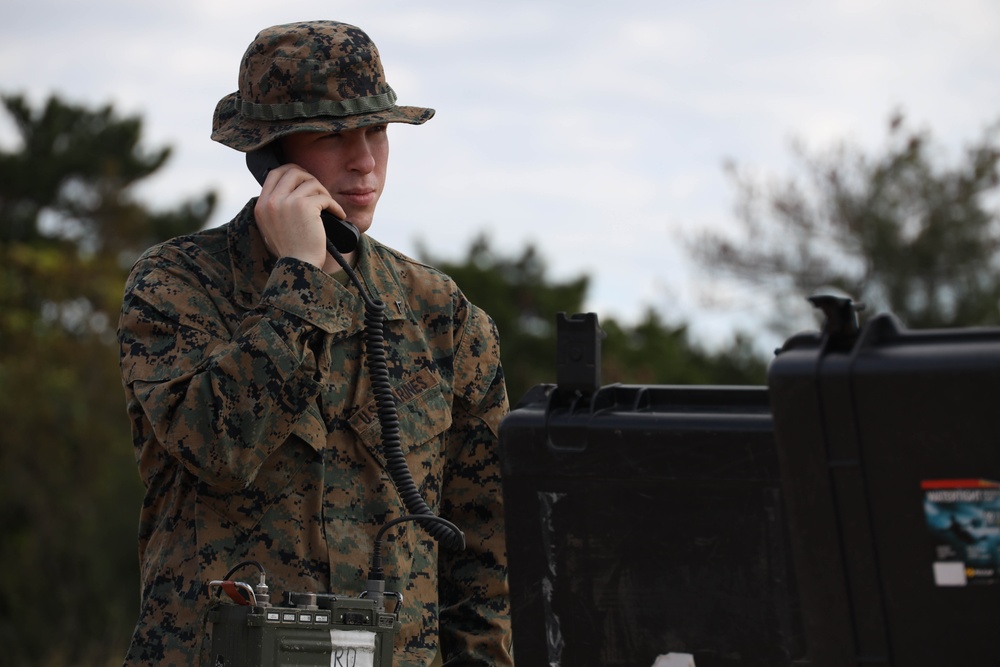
x=963, y=516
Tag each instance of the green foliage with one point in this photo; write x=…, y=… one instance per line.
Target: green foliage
x=69, y=493
x=524, y=302
x=652, y=352
x=893, y=230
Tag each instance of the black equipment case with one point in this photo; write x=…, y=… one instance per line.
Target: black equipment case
x=888, y=444
x=645, y=520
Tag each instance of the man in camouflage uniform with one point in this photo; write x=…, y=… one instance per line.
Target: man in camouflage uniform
x=252, y=410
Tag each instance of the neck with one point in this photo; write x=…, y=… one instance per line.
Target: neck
x=331, y=266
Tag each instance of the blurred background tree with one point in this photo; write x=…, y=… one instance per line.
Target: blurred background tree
x=70, y=230
x=894, y=230
x=69, y=493
x=523, y=301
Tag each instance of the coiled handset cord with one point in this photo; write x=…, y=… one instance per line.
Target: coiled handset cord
x=445, y=532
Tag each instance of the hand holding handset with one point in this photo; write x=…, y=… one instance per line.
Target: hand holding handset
x=343, y=235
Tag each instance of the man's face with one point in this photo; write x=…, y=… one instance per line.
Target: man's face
x=350, y=164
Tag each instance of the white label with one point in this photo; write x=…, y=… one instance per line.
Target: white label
x=352, y=648
x=675, y=660
x=950, y=574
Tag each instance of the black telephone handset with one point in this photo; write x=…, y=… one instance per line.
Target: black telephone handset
x=342, y=234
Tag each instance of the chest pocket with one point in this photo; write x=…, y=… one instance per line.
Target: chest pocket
x=423, y=413
x=282, y=474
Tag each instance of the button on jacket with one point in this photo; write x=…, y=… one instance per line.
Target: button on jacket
x=257, y=437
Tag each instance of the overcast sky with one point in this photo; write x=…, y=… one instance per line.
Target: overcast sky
x=595, y=130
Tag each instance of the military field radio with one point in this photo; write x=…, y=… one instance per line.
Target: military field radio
x=307, y=628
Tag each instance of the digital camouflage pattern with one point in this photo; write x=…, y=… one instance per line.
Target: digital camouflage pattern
x=319, y=76
x=255, y=436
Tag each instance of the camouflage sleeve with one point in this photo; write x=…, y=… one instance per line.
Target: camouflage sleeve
x=219, y=393
x=475, y=607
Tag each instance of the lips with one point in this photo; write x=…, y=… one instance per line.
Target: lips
x=358, y=197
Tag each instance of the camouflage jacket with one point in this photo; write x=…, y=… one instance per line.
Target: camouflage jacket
x=256, y=438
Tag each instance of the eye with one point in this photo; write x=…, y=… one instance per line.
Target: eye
x=376, y=129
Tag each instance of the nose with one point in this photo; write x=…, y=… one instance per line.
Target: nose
x=360, y=157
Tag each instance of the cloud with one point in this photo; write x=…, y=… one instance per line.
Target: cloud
x=557, y=120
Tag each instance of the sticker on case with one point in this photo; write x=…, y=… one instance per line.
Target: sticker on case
x=963, y=516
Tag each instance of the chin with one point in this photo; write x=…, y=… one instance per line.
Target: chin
x=363, y=223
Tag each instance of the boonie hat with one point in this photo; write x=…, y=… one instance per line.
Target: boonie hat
x=316, y=76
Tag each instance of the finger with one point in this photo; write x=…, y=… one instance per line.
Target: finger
x=289, y=178
x=335, y=208
x=304, y=184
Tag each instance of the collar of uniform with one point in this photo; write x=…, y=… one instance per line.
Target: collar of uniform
x=380, y=281
x=252, y=265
